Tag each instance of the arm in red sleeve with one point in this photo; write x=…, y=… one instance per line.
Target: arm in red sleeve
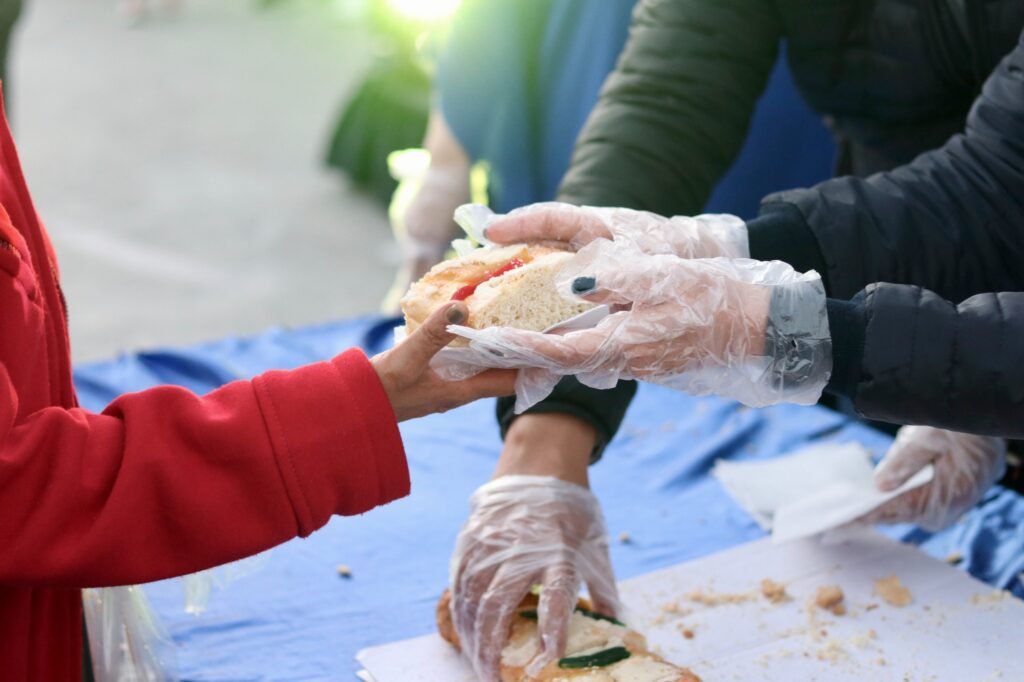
x=165, y=482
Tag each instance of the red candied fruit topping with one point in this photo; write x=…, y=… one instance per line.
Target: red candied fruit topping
x=465, y=292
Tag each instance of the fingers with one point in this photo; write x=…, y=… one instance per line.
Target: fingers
x=433, y=335
x=547, y=222
x=494, y=383
x=913, y=450
x=604, y=594
x=907, y=508
x=574, y=351
x=498, y=607
x=557, y=601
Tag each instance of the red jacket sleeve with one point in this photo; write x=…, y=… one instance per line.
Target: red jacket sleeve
x=165, y=482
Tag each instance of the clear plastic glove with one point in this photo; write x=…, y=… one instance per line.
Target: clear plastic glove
x=966, y=466
x=573, y=227
x=522, y=531
x=421, y=218
x=427, y=220
x=756, y=332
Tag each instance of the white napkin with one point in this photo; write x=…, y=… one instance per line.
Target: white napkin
x=813, y=490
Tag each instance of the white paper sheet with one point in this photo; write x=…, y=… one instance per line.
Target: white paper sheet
x=957, y=629
x=836, y=505
x=813, y=490
x=762, y=486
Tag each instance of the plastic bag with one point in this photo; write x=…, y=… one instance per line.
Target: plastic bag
x=126, y=640
x=199, y=585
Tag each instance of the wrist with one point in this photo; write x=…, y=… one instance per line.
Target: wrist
x=797, y=342
x=757, y=309
x=552, y=444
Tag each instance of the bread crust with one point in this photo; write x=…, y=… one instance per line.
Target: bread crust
x=524, y=297
x=522, y=627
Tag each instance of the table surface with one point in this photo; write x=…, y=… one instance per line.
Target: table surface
x=292, y=617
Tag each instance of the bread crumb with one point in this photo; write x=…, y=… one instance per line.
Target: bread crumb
x=344, y=571
x=686, y=632
x=993, y=597
x=773, y=591
x=673, y=608
x=625, y=538
x=706, y=598
x=833, y=652
x=830, y=598
x=954, y=558
x=892, y=591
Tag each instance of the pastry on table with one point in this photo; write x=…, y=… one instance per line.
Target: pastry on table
x=600, y=649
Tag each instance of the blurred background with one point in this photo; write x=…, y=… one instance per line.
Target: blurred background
x=176, y=159
x=213, y=168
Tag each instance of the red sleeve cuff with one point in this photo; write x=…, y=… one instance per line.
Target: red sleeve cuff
x=335, y=438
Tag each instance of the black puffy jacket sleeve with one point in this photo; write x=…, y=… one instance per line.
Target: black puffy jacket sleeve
x=675, y=112
x=950, y=225
x=928, y=361
x=950, y=221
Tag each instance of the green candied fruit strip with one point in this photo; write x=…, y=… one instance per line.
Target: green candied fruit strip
x=596, y=660
x=598, y=616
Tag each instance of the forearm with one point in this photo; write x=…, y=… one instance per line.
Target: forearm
x=556, y=445
x=906, y=356
x=601, y=412
x=947, y=221
x=100, y=499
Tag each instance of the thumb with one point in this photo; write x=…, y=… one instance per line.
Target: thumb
x=914, y=449
x=431, y=336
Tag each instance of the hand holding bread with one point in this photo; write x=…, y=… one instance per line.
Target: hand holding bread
x=414, y=389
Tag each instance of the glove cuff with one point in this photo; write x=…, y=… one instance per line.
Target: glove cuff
x=798, y=342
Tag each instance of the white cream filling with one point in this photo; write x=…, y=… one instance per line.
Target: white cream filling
x=586, y=636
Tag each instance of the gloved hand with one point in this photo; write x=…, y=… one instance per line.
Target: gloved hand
x=522, y=531
x=704, y=236
x=421, y=218
x=966, y=466
x=756, y=332
x=427, y=220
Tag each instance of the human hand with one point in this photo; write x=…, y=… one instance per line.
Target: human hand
x=966, y=466
x=574, y=227
x=753, y=331
x=522, y=531
x=414, y=389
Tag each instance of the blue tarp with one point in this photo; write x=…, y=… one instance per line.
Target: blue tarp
x=296, y=619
